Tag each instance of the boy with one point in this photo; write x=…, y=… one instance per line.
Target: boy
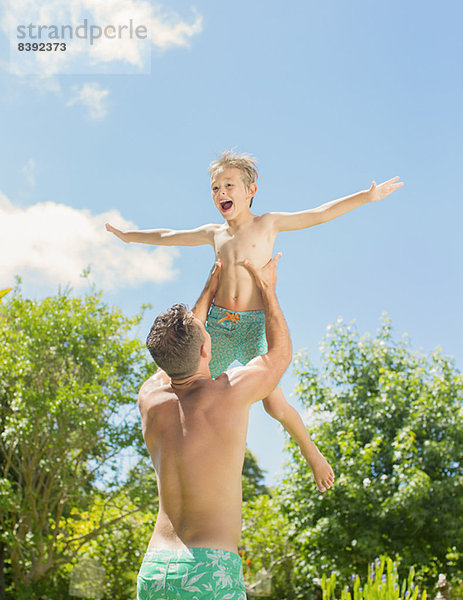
x=236, y=320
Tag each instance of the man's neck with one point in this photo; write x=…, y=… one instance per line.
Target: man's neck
x=186, y=382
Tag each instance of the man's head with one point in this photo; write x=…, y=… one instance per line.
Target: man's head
x=231, y=169
x=177, y=341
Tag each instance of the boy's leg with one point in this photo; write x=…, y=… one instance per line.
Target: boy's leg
x=277, y=406
x=243, y=341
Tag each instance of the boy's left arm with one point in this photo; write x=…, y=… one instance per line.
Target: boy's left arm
x=336, y=208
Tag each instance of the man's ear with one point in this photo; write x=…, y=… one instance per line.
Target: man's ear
x=253, y=189
x=204, y=351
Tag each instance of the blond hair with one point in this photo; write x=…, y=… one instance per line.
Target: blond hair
x=246, y=163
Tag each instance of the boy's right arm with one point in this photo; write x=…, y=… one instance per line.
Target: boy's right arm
x=261, y=375
x=167, y=237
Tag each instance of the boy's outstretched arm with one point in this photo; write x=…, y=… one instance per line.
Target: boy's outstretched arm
x=336, y=208
x=167, y=237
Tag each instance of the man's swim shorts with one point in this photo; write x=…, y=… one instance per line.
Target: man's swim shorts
x=191, y=574
x=235, y=336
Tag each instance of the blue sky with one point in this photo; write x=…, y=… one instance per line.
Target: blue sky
x=326, y=95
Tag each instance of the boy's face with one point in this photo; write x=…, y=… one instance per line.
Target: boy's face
x=229, y=193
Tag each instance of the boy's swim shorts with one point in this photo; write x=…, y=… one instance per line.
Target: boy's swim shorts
x=235, y=336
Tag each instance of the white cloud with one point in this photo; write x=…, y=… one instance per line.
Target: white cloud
x=165, y=29
x=93, y=97
x=43, y=84
x=29, y=172
x=54, y=243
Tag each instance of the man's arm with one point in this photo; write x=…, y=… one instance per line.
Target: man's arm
x=167, y=237
x=203, y=303
x=261, y=375
x=335, y=208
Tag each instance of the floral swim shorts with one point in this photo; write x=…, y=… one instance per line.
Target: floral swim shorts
x=191, y=574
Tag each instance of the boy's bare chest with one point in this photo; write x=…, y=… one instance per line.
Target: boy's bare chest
x=254, y=243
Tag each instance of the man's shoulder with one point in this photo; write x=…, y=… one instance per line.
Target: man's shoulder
x=221, y=387
x=152, y=391
x=231, y=382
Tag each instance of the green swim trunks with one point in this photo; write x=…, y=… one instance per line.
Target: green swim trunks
x=191, y=574
x=235, y=336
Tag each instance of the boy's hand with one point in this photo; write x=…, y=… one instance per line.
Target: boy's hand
x=266, y=277
x=378, y=192
x=120, y=234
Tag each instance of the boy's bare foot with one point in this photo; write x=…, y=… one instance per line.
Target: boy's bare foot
x=321, y=470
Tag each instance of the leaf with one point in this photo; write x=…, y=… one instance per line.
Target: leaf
x=4, y=292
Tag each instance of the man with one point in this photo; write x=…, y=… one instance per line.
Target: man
x=195, y=430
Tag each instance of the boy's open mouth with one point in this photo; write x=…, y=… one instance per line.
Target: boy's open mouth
x=226, y=205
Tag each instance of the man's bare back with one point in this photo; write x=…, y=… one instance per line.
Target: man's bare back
x=196, y=439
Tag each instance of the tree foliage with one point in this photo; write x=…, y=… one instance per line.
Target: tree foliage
x=265, y=544
x=390, y=422
x=117, y=549
x=69, y=376
x=252, y=477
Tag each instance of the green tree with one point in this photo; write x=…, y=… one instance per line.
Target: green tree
x=117, y=549
x=69, y=376
x=252, y=477
x=120, y=549
x=390, y=422
x=265, y=544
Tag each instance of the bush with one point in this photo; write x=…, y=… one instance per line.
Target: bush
x=382, y=584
